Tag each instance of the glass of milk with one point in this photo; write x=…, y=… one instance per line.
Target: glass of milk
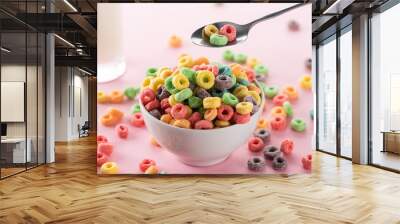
x=110, y=57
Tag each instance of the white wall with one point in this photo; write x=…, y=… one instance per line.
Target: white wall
x=71, y=102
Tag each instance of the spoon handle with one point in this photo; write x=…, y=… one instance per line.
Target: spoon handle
x=269, y=16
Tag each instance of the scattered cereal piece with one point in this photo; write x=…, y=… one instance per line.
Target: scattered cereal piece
x=122, y=130
x=279, y=163
x=287, y=146
x=101, y=158
x=175, y=41
x=270, y=152
x=256, y=163
x=109, y=168
x=307, y=162
x=255, y=144
x=298, y=125
x=105, y=147
x=145, y=164
x=152, y=170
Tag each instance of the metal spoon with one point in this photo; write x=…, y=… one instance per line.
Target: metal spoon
x=242, y=31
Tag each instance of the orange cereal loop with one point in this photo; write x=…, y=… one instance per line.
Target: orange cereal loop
x=185, y=61
x=262, y=123
x=107, y=120
x=154, y=142
x=165, y=73
x=117, y=114
x=201, y=61
x=291, y=92
x=166, y=118
x=253, y=87
x=116, y=96
x=236, y=69
x=278, y=111
x=102, y=97
x=175, y=41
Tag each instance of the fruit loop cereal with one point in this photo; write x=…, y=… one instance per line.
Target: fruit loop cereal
x=219, y=36
x=212, y=91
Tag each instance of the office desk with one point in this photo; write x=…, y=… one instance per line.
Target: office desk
x=17, y=150
x=391, y=141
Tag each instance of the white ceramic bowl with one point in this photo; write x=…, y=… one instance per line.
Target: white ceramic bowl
x=201, y=147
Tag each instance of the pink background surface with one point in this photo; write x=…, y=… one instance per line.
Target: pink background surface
x=147, y=28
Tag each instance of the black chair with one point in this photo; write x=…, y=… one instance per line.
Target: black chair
x=84, y=129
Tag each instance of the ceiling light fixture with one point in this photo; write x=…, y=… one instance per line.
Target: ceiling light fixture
x=64, y=40
x=5, y=50
x=337, y=7
x=84, y=71
x=70, y=5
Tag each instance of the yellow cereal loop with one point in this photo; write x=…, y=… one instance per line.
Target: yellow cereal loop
x=205, y=79
x=221, y=124
x=255, y=95
x=182, y=123
x=240, y=91
x=172, y=122
x=244, y=108
x=210, y=114
x=182, y=55
x=180, y=81
x=306, y=82
x=251, y=62
x=102, y=97
x=146, y=82
x=156, y=83
x=211, y=102
x=209, y=30
x=262, y=123
x=171, y=100
x=185, y=61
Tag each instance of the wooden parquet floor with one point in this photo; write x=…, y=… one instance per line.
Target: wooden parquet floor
x=69, y=191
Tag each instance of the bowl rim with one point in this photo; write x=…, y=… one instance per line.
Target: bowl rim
x=143, y=110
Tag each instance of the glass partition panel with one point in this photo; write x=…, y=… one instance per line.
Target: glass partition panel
x=14, y=153
x=327, y=96
x=346, y=93
x=385, y=85
x=32, y=98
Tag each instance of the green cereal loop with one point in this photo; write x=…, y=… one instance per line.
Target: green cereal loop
x=218, y=40
x=135, y=108
x=260, y=69
x=183, y=95
x=263, y=87
x=287, y=107
x=240, y=58
x=271, y=91
x=217, y=93
x=230, y=99
x=228, y=55
x=243, y=82
x=169, y=86
x=225, y=70
x=201, y=110
x=151, y=72
x=195, y=102
x=131, y=92
x=189, y=73
x=298, y=125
